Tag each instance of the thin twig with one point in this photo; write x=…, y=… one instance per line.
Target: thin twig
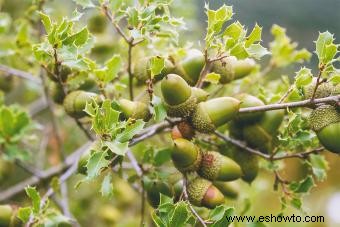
x=130, y=71
x=19, y=73
x=291, y=88
x=318, y=82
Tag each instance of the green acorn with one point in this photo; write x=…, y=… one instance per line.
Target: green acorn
x=178, y=97
x=6, y=82
x=229, y=189
x=142, y=70
x=325, y=89
x=178, y=190
x=216, y=167
x=325, y=121
x=153, y=191
x=56, y=92
x=213, y=113
x=191, y=66
x=262, y=134
x=8, y=217
x=75, y=102
x=202, y=192
x=97, y=24
x=65, y=71
x=232, y=69
x=249, y=101
x=134, y=109
x=200, y=94
x=185, y=155
x=249, y=164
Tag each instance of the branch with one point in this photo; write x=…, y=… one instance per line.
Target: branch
x=305, y=103
x=19, y=73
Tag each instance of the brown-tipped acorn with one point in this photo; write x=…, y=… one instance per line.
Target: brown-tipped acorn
x=229, y=189
x=142, y=72
x=191, y=66
x=178, y=97
x=202, y=192
x=154, y=189
x=216, y=167
x=262, y=134
x=182, y=130
x=213, y=113
x=325, y=121
x=75, y=102
x=248, y=101
x=185, y=155
x=134, y=109
x=232, y=69
x=249, y=164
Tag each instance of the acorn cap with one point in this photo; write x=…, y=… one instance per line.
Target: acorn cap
x=134, y=109
x=200, y=94
x=228, y=189
x=216, y=167
x=243, y=67
x=175, y=90
x=182, y=130
x=329, y=137
x=6, y=212
x=202, y=192
x=185, y=155
x=324, y=89
x=75, y=102
x=184, y=109
x=191, y=66
x=323, y=116
x=249, y=164
x=213, y=113
x=249, y=101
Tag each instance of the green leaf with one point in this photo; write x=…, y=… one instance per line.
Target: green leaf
x=254, y=36
x=33, y=194
x=303, y=186
x=212, y=77
x=156, y=65
x=296, y=202
x=228, y=212
x=217, y=213
x=257, y=51
x=130, y=131
x=117, y=147
x=81, y=37
x=319, y=166
x=5, y=22
x=113, y=66
x=24, y=214
x=158, y=109
x=107, y=187
x=162, y=156
x=96, y=164
x=324, y=47
x=303, y=77
x=46, y=20
x=180, y=215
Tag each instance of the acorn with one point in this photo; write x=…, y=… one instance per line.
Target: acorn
x=142, y=72
x=6, y=82
x=229, y=189
x=56, y=92
x=134, y=109
x=202, y=192
x=191, y=66
x=75, y=102
x=64, y=72
x=178, y=190
x=249, y=164
x=200, y=94
x=97, y=24
x=178, y=97
x=231, y=69
x=182, y=130
x=154, y=190
x=213, y=113
x=262, y=134
x=324, y=89
x=185, y=155
x=249, y=101
x=216, y=167
x=325, y=121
